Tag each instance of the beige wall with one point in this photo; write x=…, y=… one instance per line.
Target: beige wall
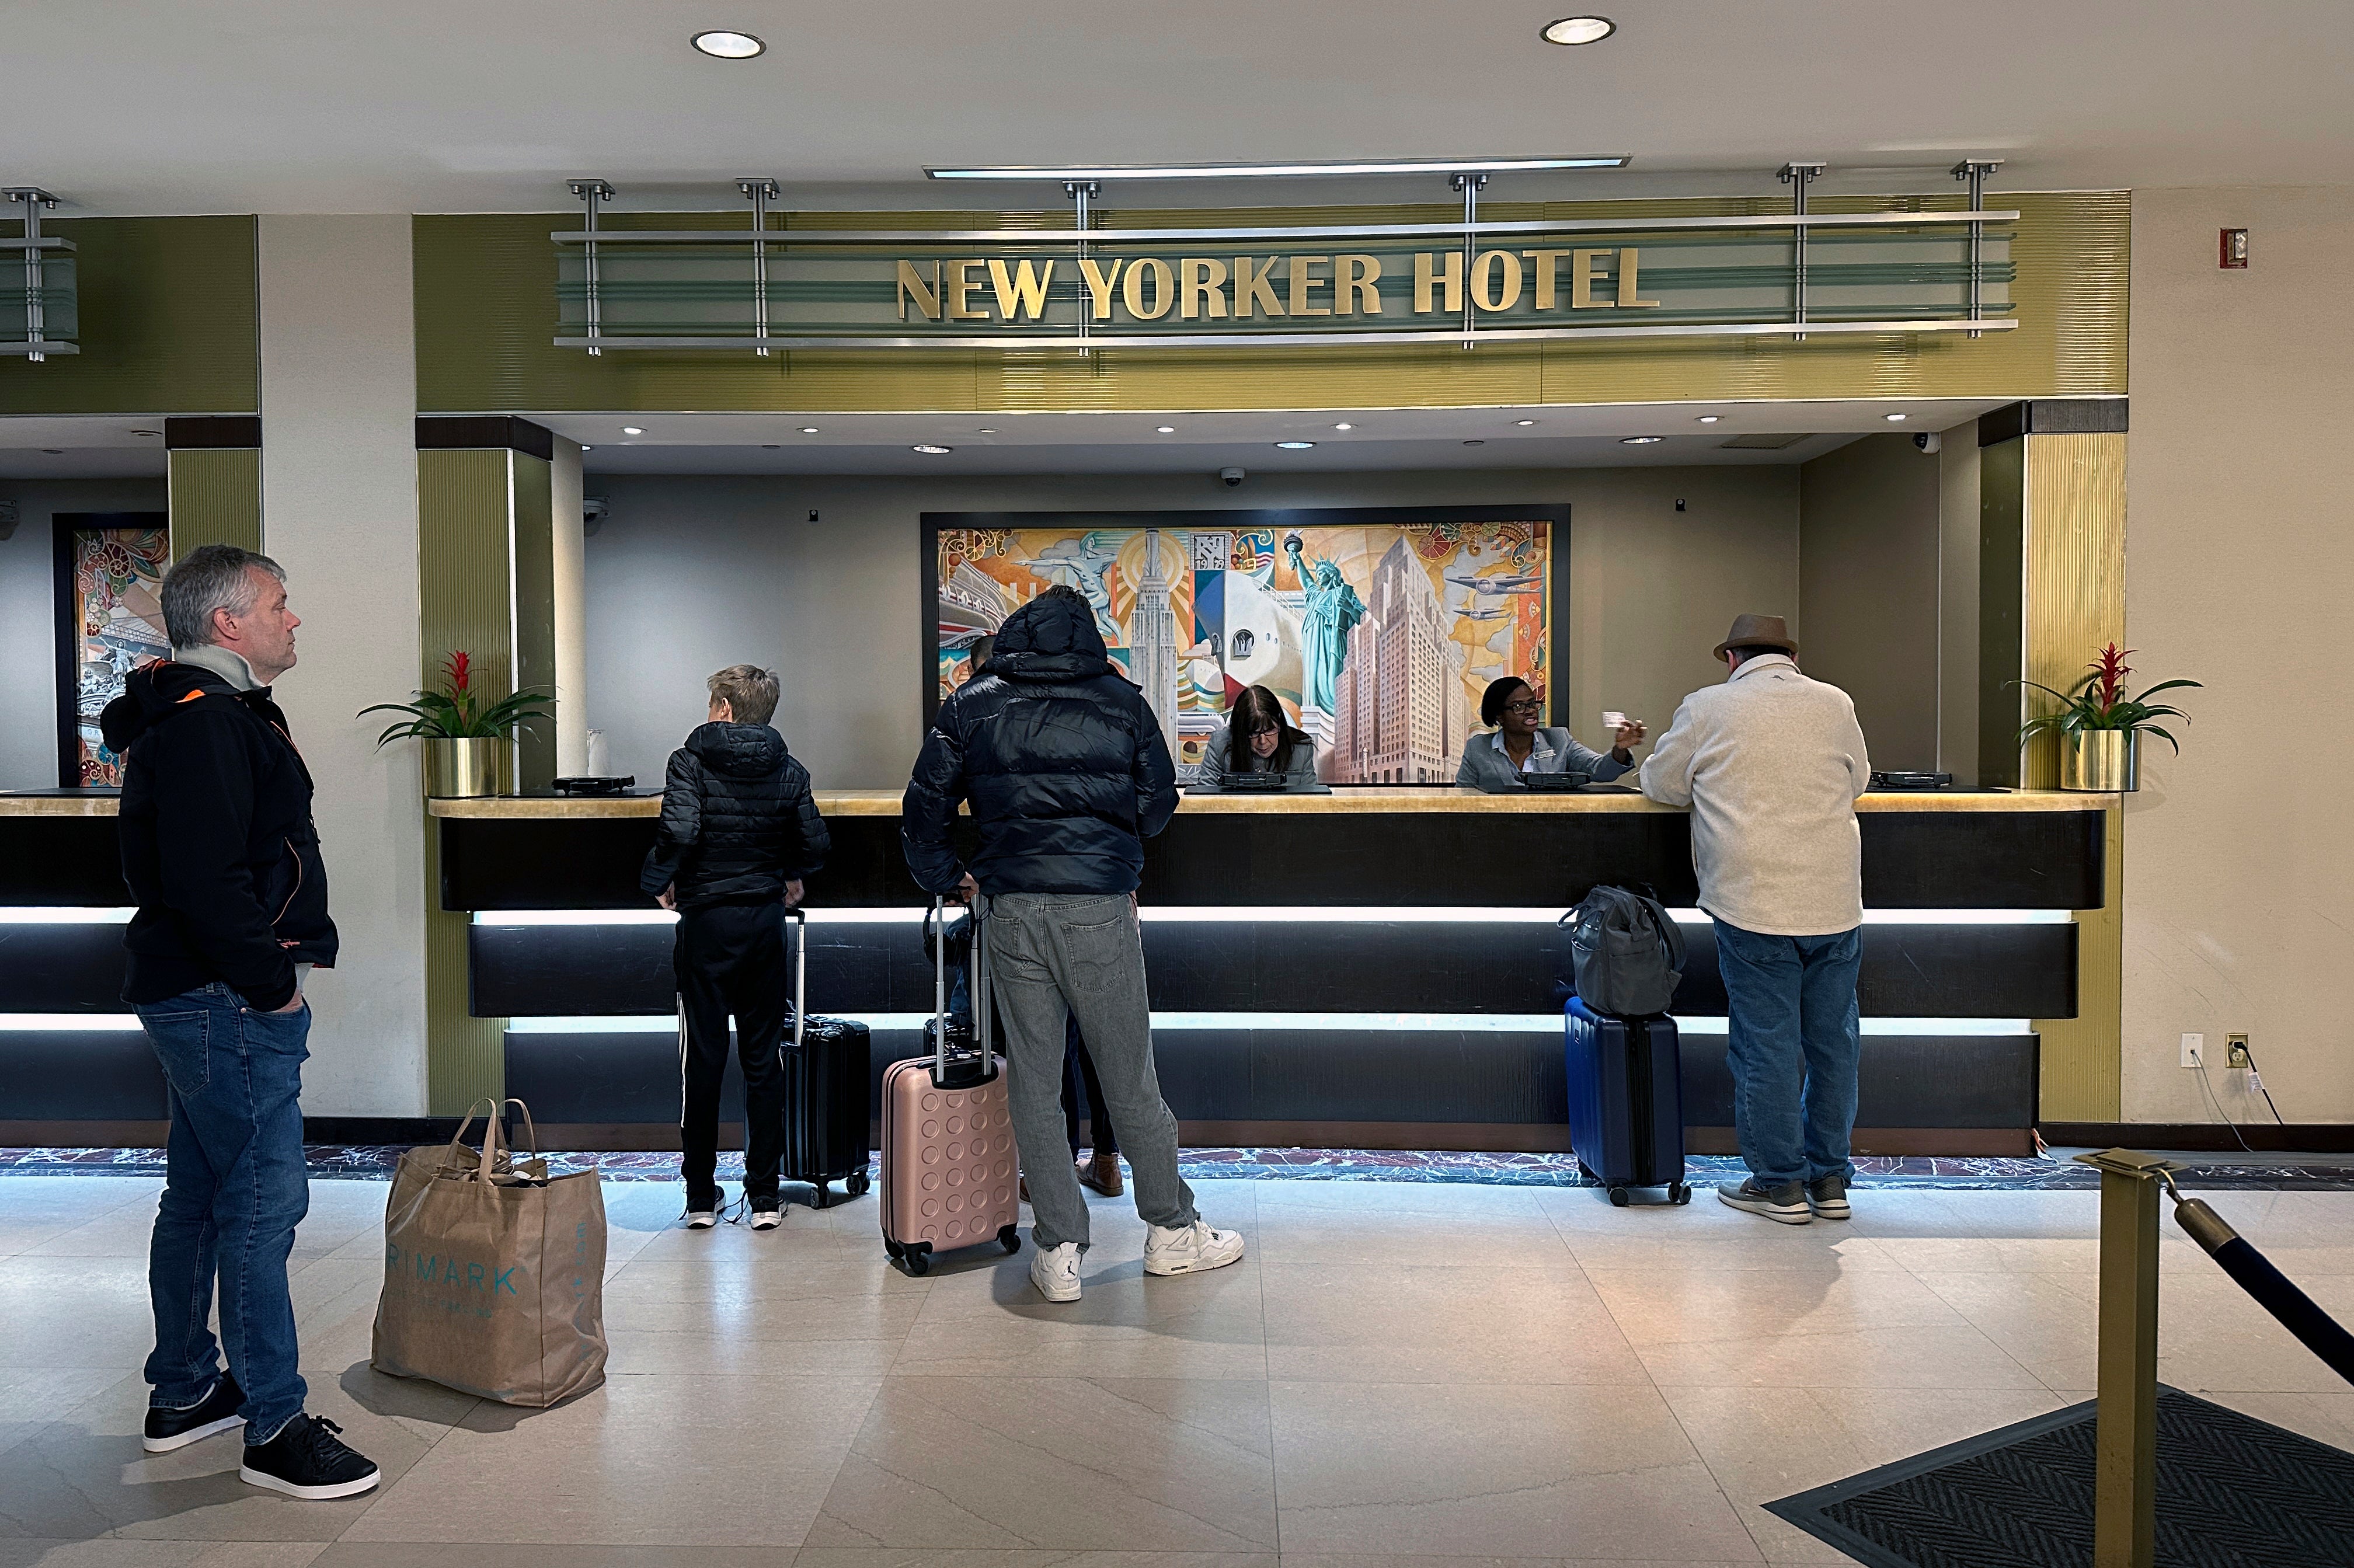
x=1867, y=563
x=688, y=574
x=2240, y=573
x=339, y=511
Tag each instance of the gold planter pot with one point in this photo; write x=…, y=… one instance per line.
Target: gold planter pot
x=458, y=768
x=2104, y=759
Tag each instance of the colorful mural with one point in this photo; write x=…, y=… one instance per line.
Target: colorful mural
x=112, y=584
x=1378, y=637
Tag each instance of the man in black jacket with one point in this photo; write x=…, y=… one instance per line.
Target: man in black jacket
x=1065, y=770
x=740, y=830
x=219, y=852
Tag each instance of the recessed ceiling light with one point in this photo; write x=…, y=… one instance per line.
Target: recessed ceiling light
x=929, y=449
x=146, y=432
x=726, y=46
x=1894, y=419
x=632, y=430
x=1524, y=422
x=1475, y=443
x=1295, y=446
x=1709, y=419
x=808, y=429
x=1640, y=441
x=1344, y=427
x=989, y=431
x=587, y=448
x=1166, y=429
x=1579, y=31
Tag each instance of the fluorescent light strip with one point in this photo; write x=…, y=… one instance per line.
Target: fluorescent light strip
x=1336, y=915
x=1267, y=171
x=1294, y=1022
x=67, y=1022
x=44, y=914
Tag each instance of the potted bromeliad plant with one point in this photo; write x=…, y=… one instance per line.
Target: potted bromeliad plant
x=468, y=744
x=2100, y=724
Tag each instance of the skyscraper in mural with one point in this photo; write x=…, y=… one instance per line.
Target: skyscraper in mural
x=1152, y=640
x=1403, y=712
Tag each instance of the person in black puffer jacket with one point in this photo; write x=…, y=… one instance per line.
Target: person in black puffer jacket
x=1066, y=770
x=740, y=830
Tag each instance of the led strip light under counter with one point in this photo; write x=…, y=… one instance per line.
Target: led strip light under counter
x=1294, y=1022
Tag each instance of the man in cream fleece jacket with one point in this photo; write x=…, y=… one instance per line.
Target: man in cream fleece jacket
x=1770, y=764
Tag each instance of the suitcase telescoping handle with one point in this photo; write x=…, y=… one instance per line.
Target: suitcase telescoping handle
x=977, y=988
x=798, y=919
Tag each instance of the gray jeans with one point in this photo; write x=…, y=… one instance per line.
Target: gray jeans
x=1052, y=955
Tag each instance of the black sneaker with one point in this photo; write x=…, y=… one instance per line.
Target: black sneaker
x=217, y=1411
x=1826, y=1195
x=309, y=1459
x=1786, y=1203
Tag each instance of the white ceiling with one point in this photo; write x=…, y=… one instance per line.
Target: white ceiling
x=81, y=446
x=453, y=105
x=1587, y=437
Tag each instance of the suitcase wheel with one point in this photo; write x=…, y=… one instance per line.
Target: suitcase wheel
x=856, y=1184
x=894, y=1248
x=1010, y=1238
x=824, y=1199
x=1617, y=1197
x=917, y=1260
x=1680, y=1193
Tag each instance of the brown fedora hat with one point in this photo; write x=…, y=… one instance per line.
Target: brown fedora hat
x=1756, y=631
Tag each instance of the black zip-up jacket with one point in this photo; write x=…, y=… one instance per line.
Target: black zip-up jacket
x=1060, y=757
x=218, y=842
x=737, y=820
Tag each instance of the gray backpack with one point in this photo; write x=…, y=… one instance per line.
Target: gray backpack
x=1626, y=954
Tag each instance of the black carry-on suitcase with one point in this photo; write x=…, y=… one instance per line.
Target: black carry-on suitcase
x=1627, y=1102
x=826, y=1081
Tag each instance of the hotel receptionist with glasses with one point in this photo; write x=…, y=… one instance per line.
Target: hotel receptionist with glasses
x=1519, y=744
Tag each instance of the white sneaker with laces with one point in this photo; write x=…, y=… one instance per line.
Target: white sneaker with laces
x=1054, y=1270
x=767, y=1219
x=1190, y=1249
x=701, y=1219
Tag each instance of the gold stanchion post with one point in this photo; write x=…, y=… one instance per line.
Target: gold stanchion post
x=2125, y=1505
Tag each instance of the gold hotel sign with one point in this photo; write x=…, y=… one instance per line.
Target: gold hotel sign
x=1792, y=275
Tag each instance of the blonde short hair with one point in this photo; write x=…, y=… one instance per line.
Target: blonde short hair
x=749, y=692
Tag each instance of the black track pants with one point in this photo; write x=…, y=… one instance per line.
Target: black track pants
x=730, y=958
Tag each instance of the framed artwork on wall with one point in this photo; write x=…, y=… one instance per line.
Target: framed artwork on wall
x=1376, y=627
x=109, y=579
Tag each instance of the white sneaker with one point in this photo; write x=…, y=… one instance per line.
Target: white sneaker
x=767, y=1219
x=1054, y=1270
x=701, y=1219
x=1191, y=1249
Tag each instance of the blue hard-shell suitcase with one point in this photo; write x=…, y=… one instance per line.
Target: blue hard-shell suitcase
x=1627, y=1102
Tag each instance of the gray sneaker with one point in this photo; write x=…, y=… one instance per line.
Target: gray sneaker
x=1826, y=1195
x=1786, y=1203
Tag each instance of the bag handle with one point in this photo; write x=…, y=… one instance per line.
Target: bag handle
x=936, y=926
x=530, y=1130
x=489, y=1135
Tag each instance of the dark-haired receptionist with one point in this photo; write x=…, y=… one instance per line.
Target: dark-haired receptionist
x=1519, y=743
x=1257, y=738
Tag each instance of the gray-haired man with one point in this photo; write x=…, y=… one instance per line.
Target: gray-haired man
x=220, y=853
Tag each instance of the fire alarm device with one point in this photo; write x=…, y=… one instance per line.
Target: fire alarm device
x=2231, y=250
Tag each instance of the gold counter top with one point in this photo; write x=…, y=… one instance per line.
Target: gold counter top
x=58, y=803
x=1344, y=803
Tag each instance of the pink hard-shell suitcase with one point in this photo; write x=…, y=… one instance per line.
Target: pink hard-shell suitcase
x=950, y=1177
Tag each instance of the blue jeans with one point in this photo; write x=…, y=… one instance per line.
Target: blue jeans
x=233, y=1190
x=1793, y=1046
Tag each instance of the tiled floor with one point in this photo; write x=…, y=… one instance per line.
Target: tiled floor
x=1400, y=1374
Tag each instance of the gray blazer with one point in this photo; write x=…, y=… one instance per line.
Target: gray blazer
x=1218, y=752
x=1487, y=767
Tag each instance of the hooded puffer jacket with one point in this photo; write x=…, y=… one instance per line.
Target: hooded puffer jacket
x=738, y=820
x=1061, y=758
x=218, y=844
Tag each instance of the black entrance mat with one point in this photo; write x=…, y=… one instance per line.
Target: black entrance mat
x=2232, y=1493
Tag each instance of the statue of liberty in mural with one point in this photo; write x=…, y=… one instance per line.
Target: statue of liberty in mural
x=1332, y=607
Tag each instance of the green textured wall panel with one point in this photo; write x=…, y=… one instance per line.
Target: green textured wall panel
x=486, y=311
x=535, y=611
x=216, y=498
x=170, y=321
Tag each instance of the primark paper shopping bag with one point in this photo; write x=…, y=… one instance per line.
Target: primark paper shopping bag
x=494, y=1272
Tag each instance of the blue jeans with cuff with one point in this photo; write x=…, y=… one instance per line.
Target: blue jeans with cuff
x=1793, y=1045
x=235, y=1188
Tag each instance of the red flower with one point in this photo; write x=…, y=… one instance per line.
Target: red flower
x=2109, y=672
x=458, y=666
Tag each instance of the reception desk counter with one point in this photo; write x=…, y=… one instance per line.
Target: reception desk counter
x=1373, y=967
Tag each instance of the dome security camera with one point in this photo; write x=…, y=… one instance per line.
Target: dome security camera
x=1928, y=440
x=1231, y=477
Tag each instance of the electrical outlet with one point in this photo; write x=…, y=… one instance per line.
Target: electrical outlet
x=2194, y=1050
x=2237, y=1045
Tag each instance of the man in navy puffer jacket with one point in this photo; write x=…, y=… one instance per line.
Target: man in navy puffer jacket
x=1065, y=770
